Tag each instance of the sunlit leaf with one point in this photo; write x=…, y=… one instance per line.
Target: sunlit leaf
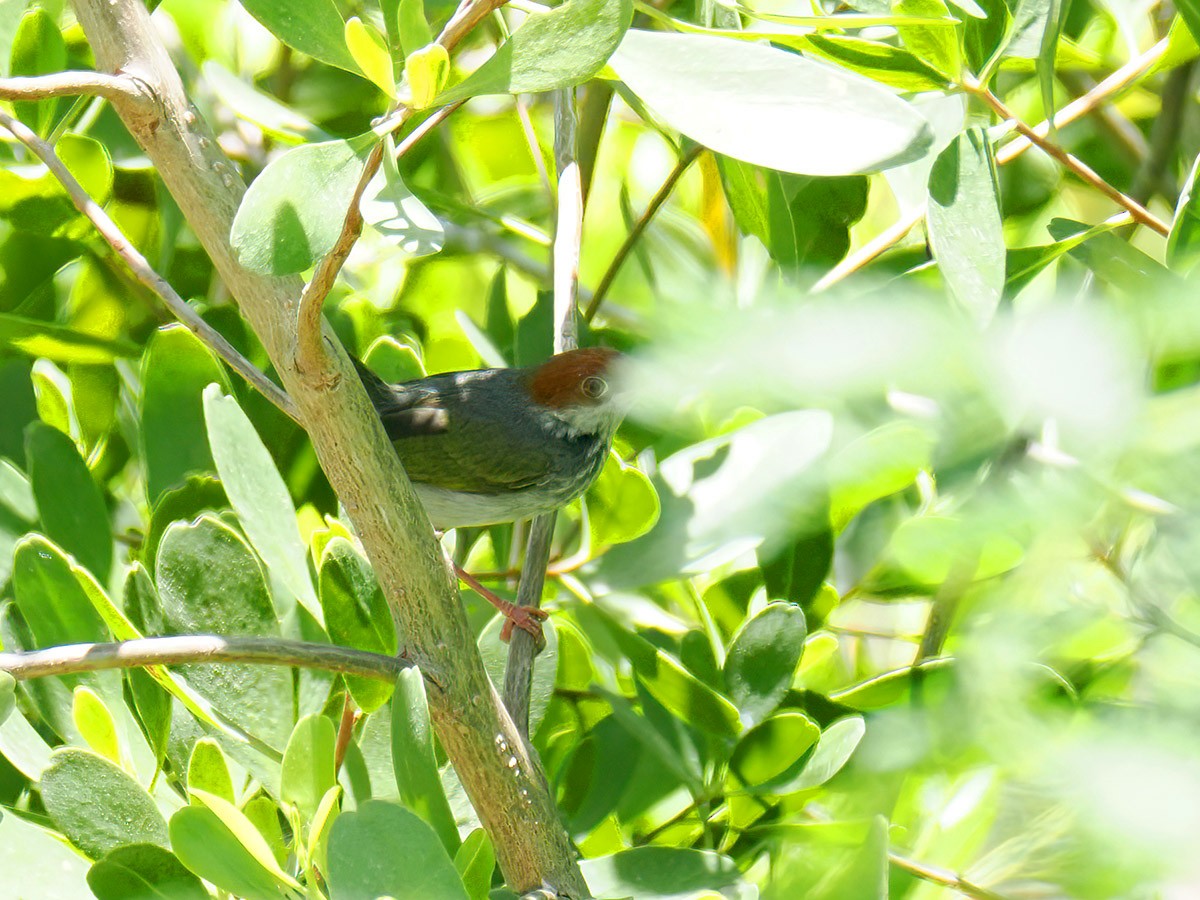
x=310, y=26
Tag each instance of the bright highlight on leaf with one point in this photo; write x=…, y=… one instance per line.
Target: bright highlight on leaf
x=427, y=70
x=367, y=47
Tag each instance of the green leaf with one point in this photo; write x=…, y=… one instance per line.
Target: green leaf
x=892, y=687
x=8, y=695
x=659, y=873
x=412, y=28
x=208, y=770
x=884, y=63
x=70, y=503
x=318, y=832
x=395, y=212
x=984, y=38
x=259, y=496
x=264, y=813
x=475, y=861
x=210, y=582
x=1189, y=12
x=928, y=549
x=198, y=494
x=60, y=343
x=417, y=774
x=762, y=660
x=96, y=724
x=97, y=805
x=965, y=229
x=393, y=361
x=672, y=685
x=143, y=872
x=426, y=70
x=1183, y=243
x=38, y=49
x=936, y=45
x=211, y=849
x=745, y=189
x=773, y=747
x=371, y=55
x=26, y=849
x=1025, y=263
x=356, y=615
x=292, y=214
x=809, y=218
x=622, y=504
x=881, y=462
x=763, y=105
x=50, y=598
x=552, y=50
x=176, y=369
x=311, y=26
x=308, y=765
x=838, y=742
x=365, y=844
x=280, y=122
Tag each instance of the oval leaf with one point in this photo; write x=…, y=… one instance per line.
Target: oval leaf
x=417, y=774
x=763, y=660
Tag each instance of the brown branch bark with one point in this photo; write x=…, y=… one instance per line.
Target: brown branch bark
x=69, y=84
x=512, y=801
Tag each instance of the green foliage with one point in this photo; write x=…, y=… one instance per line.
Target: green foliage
x=889, y=576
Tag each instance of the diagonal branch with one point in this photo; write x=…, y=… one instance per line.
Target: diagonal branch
x=70, y=659
x=144, y=272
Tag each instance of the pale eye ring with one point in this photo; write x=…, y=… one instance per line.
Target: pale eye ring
x=594, y=387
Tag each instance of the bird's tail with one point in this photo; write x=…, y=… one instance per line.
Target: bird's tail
x=378, y=390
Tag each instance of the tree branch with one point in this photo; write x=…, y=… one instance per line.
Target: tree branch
x=943, y=877
x=568, y=238
x=501, y=781
x=188, y=649
x=143, y=271
x=68, y=84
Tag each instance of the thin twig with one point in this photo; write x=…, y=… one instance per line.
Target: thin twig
x=310, y=355
x=69, y=84
x=531, y=139
x=191, y=649
x=568, y=237
x=1081, y=169
x=943, y=877
x=635, y=233
x=143, y=271
x=1102, y=92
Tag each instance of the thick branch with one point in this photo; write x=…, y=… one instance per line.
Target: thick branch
x=142, y=269
x=513, y=802
x=187, y=649
x=69, y=84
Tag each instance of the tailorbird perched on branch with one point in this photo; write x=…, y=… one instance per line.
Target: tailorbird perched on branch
x=497, y=445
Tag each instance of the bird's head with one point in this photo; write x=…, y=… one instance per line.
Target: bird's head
x=576, y=388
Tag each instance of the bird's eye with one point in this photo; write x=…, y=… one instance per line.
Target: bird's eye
x=594, y=387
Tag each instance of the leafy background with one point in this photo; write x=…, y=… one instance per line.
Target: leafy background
x=749, y=689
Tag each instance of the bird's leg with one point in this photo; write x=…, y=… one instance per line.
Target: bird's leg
x=528, y=618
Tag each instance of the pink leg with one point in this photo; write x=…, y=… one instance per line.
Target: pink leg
x=527, y=618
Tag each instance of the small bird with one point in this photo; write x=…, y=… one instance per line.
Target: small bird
x=496, y=445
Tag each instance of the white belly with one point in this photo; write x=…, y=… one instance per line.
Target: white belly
x=452, y=509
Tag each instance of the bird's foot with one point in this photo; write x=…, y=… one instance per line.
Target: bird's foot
x=527, y=618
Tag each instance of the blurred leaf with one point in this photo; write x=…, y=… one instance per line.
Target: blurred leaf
x=311, y=26
x=534, y=341
x=395, y=212
x=621, y=503
x=797, y=573
x=8, y=695
x=881, y=462
x=38, y=49
x=427, y=70
x=890, y=687
x=745, y=191
x=96, y=724
x=965, y=230
x=308, y=765
x=551, y=50
x=412, y=28
x=143, y=872
x=1025, y=263
x=1183, y=243
x=27, y=848
x=97, y=805
x=379, y=830
x=208, y=770
x=292, y=214
x=279, y=121
x=1113, y=260
x=393, y=361
x=928, y=549
x=70, y=504
x=773, y=747
x=669, y=873
x=700, y=86
x=210, y=582
x=887, y=64
x=318, y=832
x=417, y=774
x=259, y=496
x=984, y=37
x=238, y=861
x=475, y=861
x=59, y=342
x=762, y=660
x=176, y=368
x=1189, y=11
x=356, y=615
x=838, y=741
x=545, y=666
x=937, y=44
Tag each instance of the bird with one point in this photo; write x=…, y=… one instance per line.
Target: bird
x=488, y=446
